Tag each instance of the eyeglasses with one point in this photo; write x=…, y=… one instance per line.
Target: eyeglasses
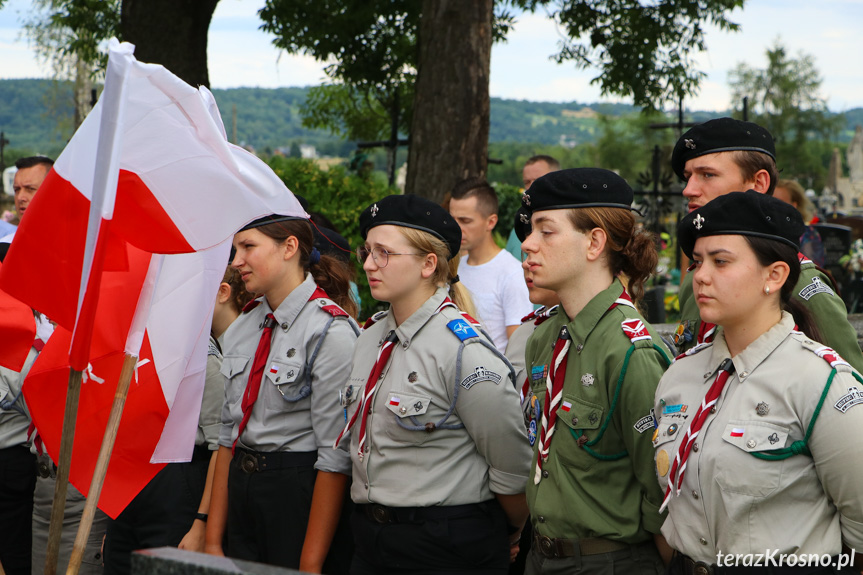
x=379, y=255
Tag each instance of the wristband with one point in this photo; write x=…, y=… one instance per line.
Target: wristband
x=202, y=516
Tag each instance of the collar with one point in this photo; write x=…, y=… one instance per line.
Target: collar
x=409, y=328
x=748, y=360
x=291, y=307
x=589, y=317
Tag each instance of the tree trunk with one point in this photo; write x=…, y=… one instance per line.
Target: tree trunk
x=172, y=33
x=449, y=131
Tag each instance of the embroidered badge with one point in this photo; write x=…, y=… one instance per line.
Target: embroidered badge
x=538, y=372
x=531, y=432
x=461, y=329
x=480, y=374
x=762, y=409
x=566, y=405
x=683, y=334
x=593, y=417
x=816, y=286
x=644, y=423
x=698, y=221
x=677, y=408
x=418, y=406
x=737, y=431
x=849, y=400
x=634, y=329
x=587, y=379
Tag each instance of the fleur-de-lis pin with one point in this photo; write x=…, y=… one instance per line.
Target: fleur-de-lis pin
x=698, y=221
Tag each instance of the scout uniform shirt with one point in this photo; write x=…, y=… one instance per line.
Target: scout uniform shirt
x=479, y=450
x=297, y=409
x=733, y=498
x=14, y=417
x=607, y=487
x=516, y=347
x=813, y=289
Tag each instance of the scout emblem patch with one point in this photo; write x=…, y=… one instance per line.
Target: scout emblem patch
x=773, y=438
x=662, y=463
x=461, y=329
x=478, y=375
x=644, y=423
x=683, y=334
x=531, y=432
x=816, y=286
x=849, y=400
x=587, y=379
x=634, y=329
x=538, y=372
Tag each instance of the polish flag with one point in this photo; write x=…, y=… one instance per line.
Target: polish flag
x=17, y=331
x=395, y=400
x=566, y=406
x=737, y=432
x=151, y=166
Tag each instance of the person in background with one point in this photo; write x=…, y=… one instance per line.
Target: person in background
x=534, y=167
x=791, y=192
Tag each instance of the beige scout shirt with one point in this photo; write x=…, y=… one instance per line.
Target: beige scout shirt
x=515, y=348
x=733, y=502
x=210, y=419
x=405, y=468
x=15, y=419
x=277, y=424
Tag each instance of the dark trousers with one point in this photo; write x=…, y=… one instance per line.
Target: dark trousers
x=468, y=539
x=159, y=516
x=640, y=559
x=17, y=482
x=268, y=512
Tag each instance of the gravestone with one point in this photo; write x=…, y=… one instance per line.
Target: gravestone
x=837, y=242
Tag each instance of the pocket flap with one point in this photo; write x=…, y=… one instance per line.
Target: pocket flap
x=350, y=393
x=580, y=414
x=282, y=373
x=405, y=404
x=754, y=436
x=233, y=364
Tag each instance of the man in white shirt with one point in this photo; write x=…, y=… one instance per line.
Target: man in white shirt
x=493, y=276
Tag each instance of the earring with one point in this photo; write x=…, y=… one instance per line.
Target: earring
x=767, y=290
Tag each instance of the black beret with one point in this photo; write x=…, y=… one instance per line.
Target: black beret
x=522, y=223
x=409, y=211
x=720, y=135
x=332, y=243
x=577, y=188
x=745, y=214
x=271, y=219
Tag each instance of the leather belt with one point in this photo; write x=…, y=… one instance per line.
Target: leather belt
x=551, y=547
x=254, y=461
x=691, y=567
x=385, y=515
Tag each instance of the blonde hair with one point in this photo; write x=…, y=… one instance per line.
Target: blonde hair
x=446, y=270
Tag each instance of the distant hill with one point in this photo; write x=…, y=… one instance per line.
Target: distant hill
x=34, y=116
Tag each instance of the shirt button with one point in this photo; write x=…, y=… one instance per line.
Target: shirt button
x=367, y=485
x=713, y=409
x=545, y=474
x=579, y=347
x=694, y=447
x=575, y=421
x=751, y=443
x=541, y=519
x=703, y=541
x=744, y=374
x=694, y=494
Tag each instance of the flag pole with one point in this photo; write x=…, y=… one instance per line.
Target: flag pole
x=67, y=440
x=129, y=363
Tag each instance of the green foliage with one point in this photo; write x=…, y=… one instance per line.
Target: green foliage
x=784, y=98
x=344, y=110
x=509, y=200
x=339, y=195
x=642, y=49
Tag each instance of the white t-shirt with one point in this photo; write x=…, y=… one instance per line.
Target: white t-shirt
x=499, y=293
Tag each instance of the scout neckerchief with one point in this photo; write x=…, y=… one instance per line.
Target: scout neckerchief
x=675, y=476
x=554, y=389
x=253, y=386
x=537, y=316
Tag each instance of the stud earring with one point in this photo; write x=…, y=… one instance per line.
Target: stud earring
x=767, y=290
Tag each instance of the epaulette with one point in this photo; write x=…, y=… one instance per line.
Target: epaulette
x=462, y=329
x=826, y=353
x=694, y=350
x=803, y=259
x=635, y=330
x=375, y=319
x=326, y=302
x=252, y=305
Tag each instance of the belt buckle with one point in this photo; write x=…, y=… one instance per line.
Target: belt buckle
x=249, y=463
x=381, y=514
x=44, y=470
x=702, y=568
x=546, y=546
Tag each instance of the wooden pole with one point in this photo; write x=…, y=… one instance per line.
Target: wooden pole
x=101, y=469
x=67, y=439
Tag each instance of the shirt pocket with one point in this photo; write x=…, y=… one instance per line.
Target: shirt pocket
x=749, y=439
x=668, y=430
x=233, y=367
x=407, y=407
x=579, y=418
x=287, y=379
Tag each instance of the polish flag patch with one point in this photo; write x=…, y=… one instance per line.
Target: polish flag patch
x=737, y=432
x=395, y=400
x=566, y=406
x=274, y=369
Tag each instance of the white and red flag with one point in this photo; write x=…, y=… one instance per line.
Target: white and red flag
x=148, y=172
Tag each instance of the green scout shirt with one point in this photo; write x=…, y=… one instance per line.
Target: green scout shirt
x=814, y=290
x=614, y=493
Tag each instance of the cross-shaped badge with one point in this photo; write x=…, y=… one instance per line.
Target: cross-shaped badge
x=526, y=199
x=698, y=221
x=689, y=144
x=374, y=210
x=524, y=218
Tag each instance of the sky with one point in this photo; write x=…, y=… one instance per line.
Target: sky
x=242, y=55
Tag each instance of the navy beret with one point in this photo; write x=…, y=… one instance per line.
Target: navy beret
x=271, y=219
x=720, y=135
x=577, y=188
x=410, y=211
x=742, y=214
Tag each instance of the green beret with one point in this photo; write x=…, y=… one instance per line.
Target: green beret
x=742, y=214
x=409, y=211
x=577, y=188
x=720, y=135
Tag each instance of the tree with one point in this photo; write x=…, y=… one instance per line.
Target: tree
x=784, y=98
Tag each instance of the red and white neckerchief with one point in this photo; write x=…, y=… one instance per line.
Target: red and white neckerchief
x=537, y=316
x=554, y=389
x=675, y=476
x=371, y=387
x=449, y=303
x=706, y=332
x=804, y=259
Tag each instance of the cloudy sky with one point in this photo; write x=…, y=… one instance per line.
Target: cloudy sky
x=241, y=55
